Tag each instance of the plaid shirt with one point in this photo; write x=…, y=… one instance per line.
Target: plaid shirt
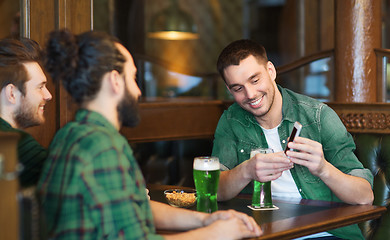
x=91, y=186
x=30, y=153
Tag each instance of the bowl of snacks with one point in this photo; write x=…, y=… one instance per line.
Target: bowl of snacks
x=183, y=198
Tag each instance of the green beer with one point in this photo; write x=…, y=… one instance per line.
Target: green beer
x=206, y=178
x=262, y=196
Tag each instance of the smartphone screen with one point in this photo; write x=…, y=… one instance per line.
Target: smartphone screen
x=295, y=132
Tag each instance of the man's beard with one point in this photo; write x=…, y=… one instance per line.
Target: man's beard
x=128, y=110
x=25, y=117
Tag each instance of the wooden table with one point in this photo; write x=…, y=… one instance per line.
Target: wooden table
x=294, y=218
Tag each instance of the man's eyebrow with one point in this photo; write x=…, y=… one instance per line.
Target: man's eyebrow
x=42, y=83
x=254, y=75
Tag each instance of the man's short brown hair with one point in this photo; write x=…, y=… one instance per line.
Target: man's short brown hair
x=239, y=50
x=13, y=54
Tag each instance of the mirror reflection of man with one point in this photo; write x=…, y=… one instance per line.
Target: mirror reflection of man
x=23, y=98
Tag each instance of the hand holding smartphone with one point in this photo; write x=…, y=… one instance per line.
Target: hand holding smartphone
x=294, y=133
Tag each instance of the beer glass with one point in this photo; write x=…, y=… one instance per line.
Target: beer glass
x=206, y=178
x=261, y=197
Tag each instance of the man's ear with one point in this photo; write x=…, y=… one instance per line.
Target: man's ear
x=115, y=81
x=271, y=70
x=12, y=93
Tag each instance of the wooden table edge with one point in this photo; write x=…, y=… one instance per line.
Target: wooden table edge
x=376, y=212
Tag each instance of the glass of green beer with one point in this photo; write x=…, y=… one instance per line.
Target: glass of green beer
x=206, y=178
x=262, y=195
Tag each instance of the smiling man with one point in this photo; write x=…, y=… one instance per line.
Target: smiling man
x=23, y=98
x=323, y=167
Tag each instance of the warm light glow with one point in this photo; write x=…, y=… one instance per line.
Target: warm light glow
x=173, y=35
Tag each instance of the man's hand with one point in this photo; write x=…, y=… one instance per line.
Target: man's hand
x=248, y=221
x=268, y=167
x=309, y=154
x=261, y=167
x=350, y=189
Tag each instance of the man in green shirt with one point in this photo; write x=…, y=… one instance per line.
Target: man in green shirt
x=91, y=186
x=22, y=100
x=323, y=167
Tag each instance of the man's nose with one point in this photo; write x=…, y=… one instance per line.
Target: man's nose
x=47, y=95
x=250, y=93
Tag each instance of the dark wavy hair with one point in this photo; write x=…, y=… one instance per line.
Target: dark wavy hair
x=13, y=54
x=239, y=50
x=80, y=61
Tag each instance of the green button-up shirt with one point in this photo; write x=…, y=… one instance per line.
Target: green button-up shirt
x=91, y=186
x=30, y=154
x=238, y=132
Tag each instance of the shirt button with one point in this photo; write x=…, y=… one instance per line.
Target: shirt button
x=242, y=150
x=300, y=190
x=283, y=141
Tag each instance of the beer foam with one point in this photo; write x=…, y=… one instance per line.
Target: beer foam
x=201, y=164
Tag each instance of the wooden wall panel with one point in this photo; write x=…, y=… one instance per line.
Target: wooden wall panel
x=8, y=11
x=42, y=19
x=75, y=15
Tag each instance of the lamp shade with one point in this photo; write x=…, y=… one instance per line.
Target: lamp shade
x=172, y=23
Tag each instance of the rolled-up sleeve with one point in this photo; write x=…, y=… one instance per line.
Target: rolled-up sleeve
x=339, y=146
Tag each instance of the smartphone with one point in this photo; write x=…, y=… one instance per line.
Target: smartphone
x=294, y=133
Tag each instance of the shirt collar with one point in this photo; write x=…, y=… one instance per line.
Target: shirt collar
x=287, y=107
x=5, y=123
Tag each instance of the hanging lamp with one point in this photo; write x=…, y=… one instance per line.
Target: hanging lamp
x=172, y=23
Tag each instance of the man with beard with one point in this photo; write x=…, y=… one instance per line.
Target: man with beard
x=91, y=186
x=22, y=100
x=323, y=165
